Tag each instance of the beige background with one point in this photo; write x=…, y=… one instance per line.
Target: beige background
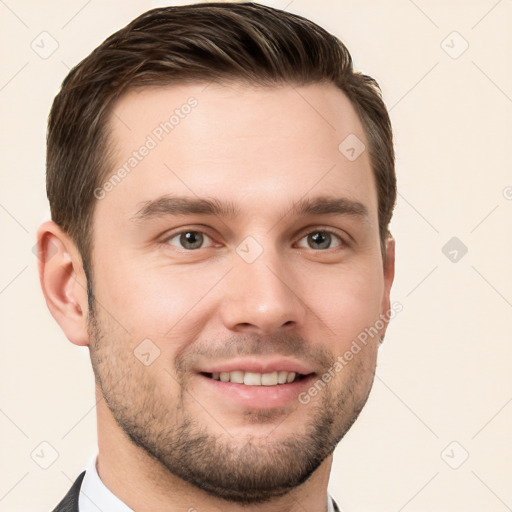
x=444, y=372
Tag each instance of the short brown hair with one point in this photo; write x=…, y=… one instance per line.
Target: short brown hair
x=217, y=41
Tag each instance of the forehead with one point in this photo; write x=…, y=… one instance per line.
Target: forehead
x=255, y=145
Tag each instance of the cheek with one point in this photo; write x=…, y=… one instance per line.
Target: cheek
x=151, y=301
x=348, y=301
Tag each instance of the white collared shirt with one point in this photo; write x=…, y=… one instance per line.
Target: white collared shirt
x=95, y=496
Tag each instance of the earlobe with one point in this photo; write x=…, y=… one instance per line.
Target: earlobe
x=63, y=281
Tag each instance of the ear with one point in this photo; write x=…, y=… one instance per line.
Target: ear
x=389, y=275
x=63, y=281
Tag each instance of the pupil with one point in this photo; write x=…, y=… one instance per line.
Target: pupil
x=321, y=239
x=191, y=239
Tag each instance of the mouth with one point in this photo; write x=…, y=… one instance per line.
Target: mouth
x=255, y=383
x=275, y=378
x=249, y=390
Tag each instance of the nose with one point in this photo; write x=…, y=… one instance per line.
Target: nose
x=262, y=297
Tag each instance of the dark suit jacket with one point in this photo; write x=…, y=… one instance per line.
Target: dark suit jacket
x=70, y=502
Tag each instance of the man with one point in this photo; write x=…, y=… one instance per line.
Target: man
x=221, y=183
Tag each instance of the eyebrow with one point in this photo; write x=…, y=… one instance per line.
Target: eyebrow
x=179, y=205
x=329, y=206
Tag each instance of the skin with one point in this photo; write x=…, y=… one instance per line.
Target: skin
x=264, y=150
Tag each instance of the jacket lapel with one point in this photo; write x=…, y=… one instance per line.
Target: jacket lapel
x=70, y=502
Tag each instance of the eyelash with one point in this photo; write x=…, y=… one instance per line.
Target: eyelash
x=342, y=241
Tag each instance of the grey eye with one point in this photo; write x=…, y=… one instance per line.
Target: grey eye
x=321, y=240
x=189, y=240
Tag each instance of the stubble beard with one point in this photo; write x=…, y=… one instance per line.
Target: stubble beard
x=252, y=470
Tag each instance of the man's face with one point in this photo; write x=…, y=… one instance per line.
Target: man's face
x=241, y=243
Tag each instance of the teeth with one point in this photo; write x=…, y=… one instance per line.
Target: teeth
x=237, y=377
x=252, y=379
x=255, y=379
x=269, y=379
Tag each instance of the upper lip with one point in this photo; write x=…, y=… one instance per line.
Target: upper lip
x=257, y=366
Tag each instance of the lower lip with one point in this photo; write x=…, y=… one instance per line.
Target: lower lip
x=259, y=397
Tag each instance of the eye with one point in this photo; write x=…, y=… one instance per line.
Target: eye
x=321, y=240
x=188, y=240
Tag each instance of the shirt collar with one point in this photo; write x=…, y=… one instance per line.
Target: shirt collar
x=94, y=494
